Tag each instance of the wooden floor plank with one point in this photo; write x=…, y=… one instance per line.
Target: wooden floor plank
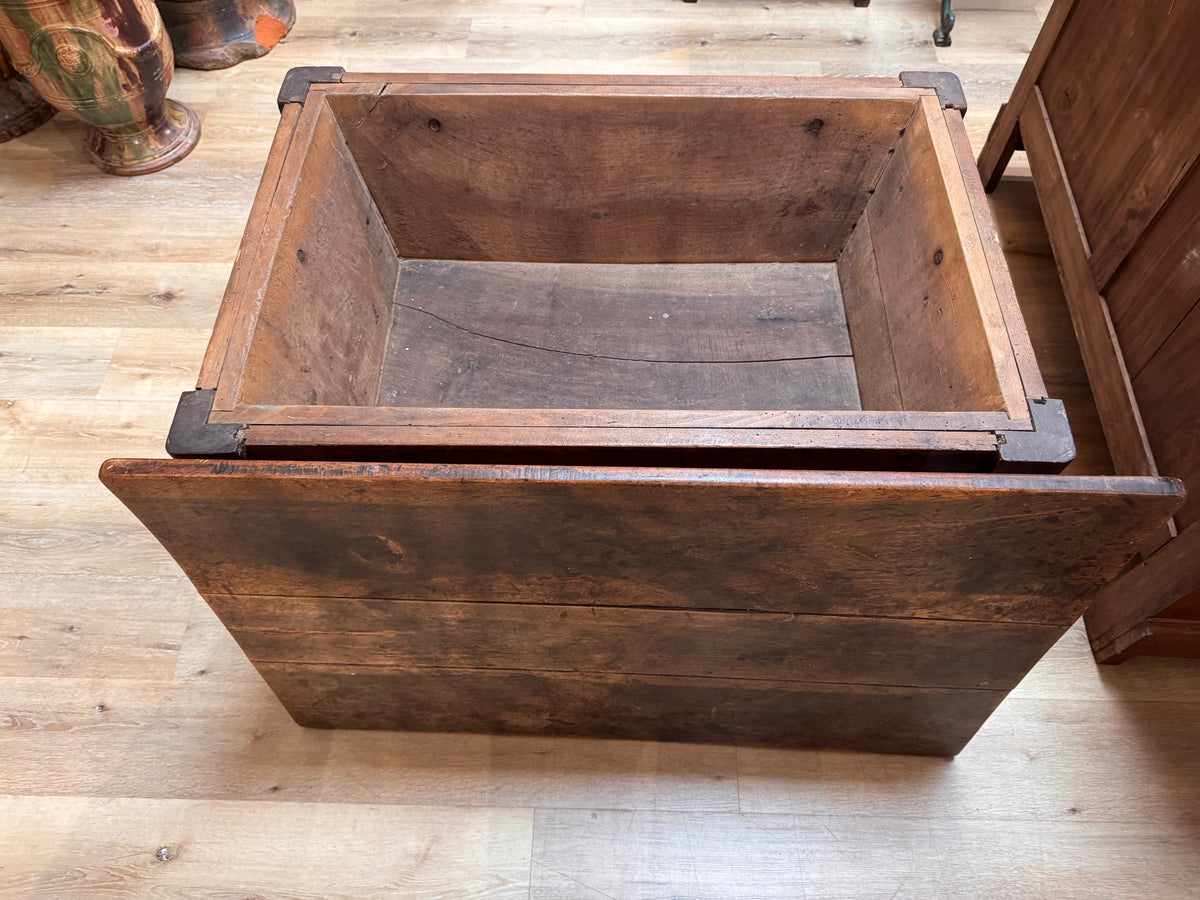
x=116, y=848
x=630, y=854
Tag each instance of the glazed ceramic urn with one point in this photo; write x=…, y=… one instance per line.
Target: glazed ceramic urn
x=107, y=63
x=21, y=108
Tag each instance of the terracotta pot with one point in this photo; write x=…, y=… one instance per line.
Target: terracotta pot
x=107, y=63
x=216, y=34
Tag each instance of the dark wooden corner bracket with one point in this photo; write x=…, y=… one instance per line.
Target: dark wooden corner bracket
x=948, y=87
x=299, y=79
x=192, y=436
x=1048, y=448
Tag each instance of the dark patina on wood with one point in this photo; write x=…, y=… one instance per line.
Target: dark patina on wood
x=1108, y=115
x=616, y=406
x=949, y=88
x=770, y=582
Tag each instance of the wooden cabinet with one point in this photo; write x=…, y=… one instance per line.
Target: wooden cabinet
x=1108, y=111
x=682, y=409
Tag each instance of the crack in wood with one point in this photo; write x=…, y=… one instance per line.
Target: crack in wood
x=693, y=362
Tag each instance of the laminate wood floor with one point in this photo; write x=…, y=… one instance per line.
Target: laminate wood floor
x=140, y=754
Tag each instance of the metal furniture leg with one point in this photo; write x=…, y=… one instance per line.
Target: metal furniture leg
x=941, y=34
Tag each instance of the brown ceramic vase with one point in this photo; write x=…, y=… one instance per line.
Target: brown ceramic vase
x=107, y=63
x=21, y=109
x=217, y=34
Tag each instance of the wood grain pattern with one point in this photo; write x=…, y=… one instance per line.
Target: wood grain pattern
x=322, y=324
x=1159, y=282
x=779, y=856
x=1109, y=378
x=619, y=179
x=516, y=376
x=176, y=846
x=667, y=538
x=1116, y=164
x=1047, y=319
x=546, y=335
x=252, y=234
x=934, y=312
x=920, y=721
x=599, y=640
x=996, y=267
x=1168, y=392
x=1082, y=782
x=866, y=316
x=1125, y=142
x=1005, y=132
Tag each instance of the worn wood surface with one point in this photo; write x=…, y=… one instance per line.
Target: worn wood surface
x=1044, y=311
x=308, y=347
x=1123, y=429
x=621, y=179
x=1168, y=392
x=1125, y=141
x=937, y=307
x=620, y=537
x=1005, y=134
x=879, y=719
x=598, y=639
x=1120, y=203
x=459, y=367
x=862, y=299
x=1083, y=782
x=545, y=335
x=1159, y=283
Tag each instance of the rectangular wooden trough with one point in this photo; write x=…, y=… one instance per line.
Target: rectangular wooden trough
x=667, y=408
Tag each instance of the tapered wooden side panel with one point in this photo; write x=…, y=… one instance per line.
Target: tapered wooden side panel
x=932, y=722
x=611, y=179
x=322, y=329
x=1013, y=548
x=596, y=639
x=926, y=268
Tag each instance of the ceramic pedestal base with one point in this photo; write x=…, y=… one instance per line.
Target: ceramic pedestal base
x=140, y=150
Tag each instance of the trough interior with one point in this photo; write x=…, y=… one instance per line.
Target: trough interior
x=586, y=250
